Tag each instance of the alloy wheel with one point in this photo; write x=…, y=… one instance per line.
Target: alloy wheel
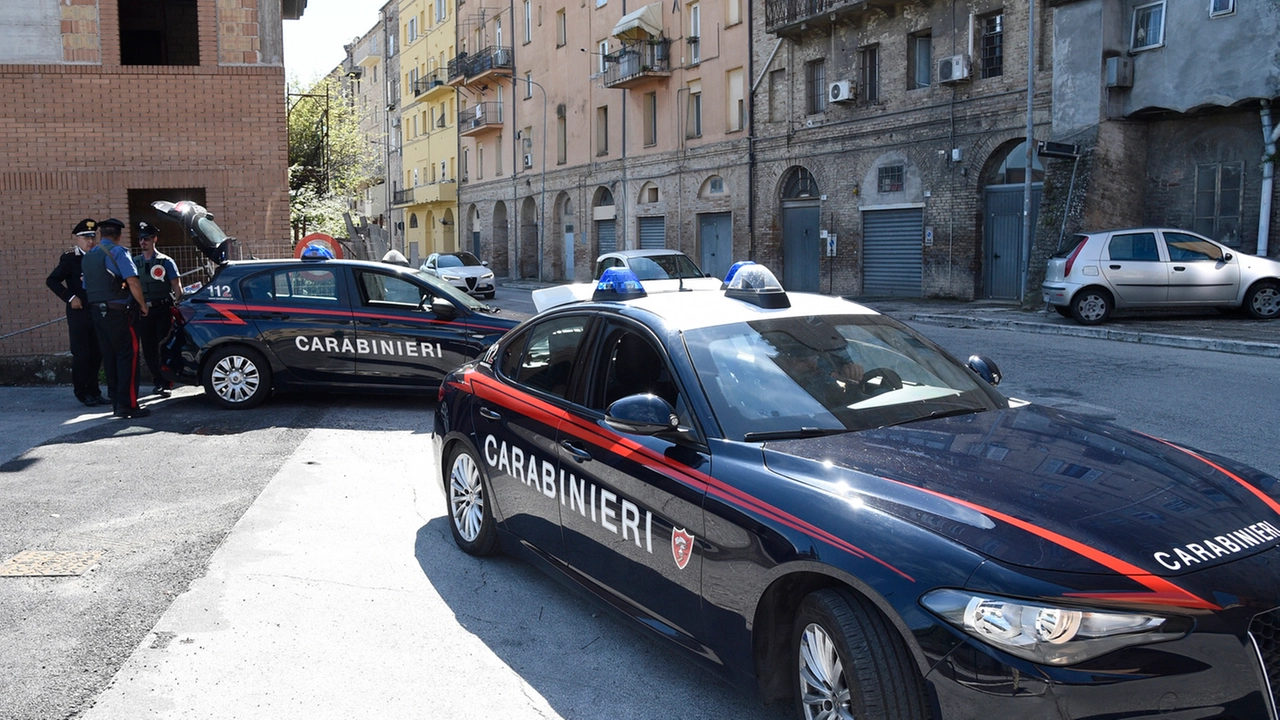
x=466, y=497
x=825, y=694
x=1266, y=302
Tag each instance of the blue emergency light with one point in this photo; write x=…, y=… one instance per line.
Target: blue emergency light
x=618, y=283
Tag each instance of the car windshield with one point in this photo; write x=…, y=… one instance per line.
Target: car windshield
x=449, y=292
x=458, y=260
x=798, y=376
x=663, y=267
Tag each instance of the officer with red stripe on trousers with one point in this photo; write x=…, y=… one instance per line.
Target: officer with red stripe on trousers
x=115, y=295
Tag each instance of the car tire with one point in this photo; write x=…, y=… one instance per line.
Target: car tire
x=237, y=377
x=470, y=512
x=850, y=662
x=1262, y=302
x=489, y=295
x=1063, y=310
x=1092, y=306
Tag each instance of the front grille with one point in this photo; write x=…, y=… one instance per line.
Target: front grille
x=1265, y=631
x=471, y=283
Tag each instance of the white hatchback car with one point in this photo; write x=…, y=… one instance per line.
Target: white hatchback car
x=1095, y=273
x=463, y=271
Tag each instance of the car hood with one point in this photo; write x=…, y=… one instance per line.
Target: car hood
x=1037, y=487
x=465, y=271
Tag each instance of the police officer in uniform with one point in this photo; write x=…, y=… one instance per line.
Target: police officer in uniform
x=115, y=293
x=65, y=281
x=161, y=288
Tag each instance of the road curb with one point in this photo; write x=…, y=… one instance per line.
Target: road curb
x=1237, y=347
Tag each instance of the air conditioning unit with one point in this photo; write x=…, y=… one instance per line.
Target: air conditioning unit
x=953, y=69
x=528, y=160
x=842, y=91
x=1119, y=72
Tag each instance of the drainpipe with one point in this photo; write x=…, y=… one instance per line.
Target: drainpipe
x=1269, y=136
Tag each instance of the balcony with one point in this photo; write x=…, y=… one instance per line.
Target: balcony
x=480, y=118
x=367, y=54
x=430, y=86
x=787, y=17
x=401, y=198
x=637, y=64
x=445, y=191
x=472, y=69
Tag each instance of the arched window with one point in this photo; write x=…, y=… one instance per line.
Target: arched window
x=413, y=220
x=799, y=184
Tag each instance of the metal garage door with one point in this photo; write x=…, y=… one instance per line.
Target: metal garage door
x=891, y=255
x=653, y=233
x=606, y=236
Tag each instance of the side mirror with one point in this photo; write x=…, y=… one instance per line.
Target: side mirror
x=484, y=263
x=986, y=369
x=1226, y=257
x=643, y=414
x=444, y=309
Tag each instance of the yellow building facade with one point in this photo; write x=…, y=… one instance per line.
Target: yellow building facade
x=428, y=129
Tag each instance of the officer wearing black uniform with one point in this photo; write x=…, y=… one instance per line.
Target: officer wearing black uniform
x=161, y=288
x=115, y=294
x=65, y=281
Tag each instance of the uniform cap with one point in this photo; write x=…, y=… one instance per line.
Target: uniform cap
x=87, y=226
x=111, y=222
x=145, y=229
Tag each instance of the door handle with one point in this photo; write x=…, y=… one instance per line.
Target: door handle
x=1178, y=268
x=373, y=323
x=488, y=414
x=578, y=452
x=995, y=256
x=1115, y=267
x=273, y=316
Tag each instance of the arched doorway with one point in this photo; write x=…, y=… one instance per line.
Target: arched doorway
x=799, y=200
x=450, y=238
x=501, y=242
x=473, y=213
x=605, y=215
x=528, y=252
x=565, y=231
x=1004, y=250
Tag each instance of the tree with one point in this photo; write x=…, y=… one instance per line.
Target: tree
x=330, y=158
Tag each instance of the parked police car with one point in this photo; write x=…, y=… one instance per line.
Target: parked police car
x=317, y=324
x=821, y=504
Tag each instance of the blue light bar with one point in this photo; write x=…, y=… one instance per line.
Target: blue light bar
x=728, y=278
x=618, y=284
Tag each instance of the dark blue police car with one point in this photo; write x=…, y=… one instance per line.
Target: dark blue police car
x=317, y=324
x=820, y=504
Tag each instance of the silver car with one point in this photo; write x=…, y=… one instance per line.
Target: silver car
x=463, y=271
x=1095, y=273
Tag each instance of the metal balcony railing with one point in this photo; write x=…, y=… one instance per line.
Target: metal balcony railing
x=491, y=58
x=479, y=116
x=783, y=14
x=402, y=197
x=632, y=62
x=424, y=84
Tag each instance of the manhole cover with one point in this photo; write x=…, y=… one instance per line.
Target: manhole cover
x=49, y=563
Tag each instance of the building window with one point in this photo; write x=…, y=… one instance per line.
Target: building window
x=869, y=73
x=733, y=13
x=920, y=60
x=695, y=110
x=528, y=85
x=1218, y=191
x=891, y=178
x=1218, y=8
x=442, y=10
x=991, y=62
x=156, y=32
x=413, y=220
x=528, y=21
x=602, y=130
x=778, y=95
x=737, y=106
x=562, y=141
x=650, y=119
x=411, y=33
x=602, y=51
x=480, y=161
x=497, y=156
x=466, y=163
x=562, y=28
x=1148, y=26
x=815, y=86
x=695, y=33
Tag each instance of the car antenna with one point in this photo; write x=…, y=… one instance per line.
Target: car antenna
x=680, y=278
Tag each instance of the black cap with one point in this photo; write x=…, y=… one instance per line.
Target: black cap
x=145, y=229
x=87, y=226
x=111, y=222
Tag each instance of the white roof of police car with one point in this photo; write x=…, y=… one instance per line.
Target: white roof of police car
x=709, y=308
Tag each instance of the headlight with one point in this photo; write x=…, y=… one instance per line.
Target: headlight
x=1047, y=634
x=451, y=277
x=487, y=276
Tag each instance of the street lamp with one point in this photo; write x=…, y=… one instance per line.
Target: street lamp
x=543, y=202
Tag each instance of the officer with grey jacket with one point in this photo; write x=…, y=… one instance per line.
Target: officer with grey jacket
x=114, y=293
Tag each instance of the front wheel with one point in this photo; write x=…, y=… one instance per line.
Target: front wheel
x=471, y=518
x=1262, y=302
x=851, y=663
x=1092, y=306
x=237, y=377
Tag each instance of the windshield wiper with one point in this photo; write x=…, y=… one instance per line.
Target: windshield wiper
x=804, y=432
x=940, y=414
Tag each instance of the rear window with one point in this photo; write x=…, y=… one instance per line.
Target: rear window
x=1070, y=245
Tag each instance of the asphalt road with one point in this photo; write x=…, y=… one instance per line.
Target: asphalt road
x=294, y=561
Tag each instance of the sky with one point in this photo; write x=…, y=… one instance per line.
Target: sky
x=313, y=44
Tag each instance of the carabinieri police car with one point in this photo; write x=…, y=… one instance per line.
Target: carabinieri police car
x=822, y=505
x=317, y=323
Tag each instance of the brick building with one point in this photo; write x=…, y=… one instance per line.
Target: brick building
x=898, y=128
x=111, y=104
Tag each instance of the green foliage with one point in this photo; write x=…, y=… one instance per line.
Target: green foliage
x=330, y=158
